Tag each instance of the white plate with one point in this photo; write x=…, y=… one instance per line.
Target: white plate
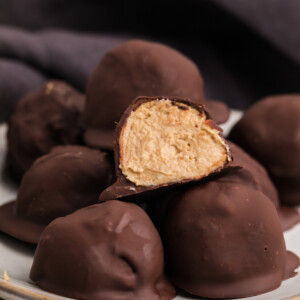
x=16, y=257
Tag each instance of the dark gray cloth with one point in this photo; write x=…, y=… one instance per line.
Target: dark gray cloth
x=276, y=20
x=29, y=58
x=16, y=79
x=60, y=54
x=244, y=49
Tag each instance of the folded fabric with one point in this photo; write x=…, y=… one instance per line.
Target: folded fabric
x=61, y=54
x=27, y=59
x=16, y=79
x=276, y=20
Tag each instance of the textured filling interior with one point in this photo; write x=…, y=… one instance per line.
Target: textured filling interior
x=162, y=143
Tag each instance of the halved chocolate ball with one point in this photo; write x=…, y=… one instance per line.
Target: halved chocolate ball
x=224, y=240
x=138, y=68
x=57, y=184
x=269, y=131
x=49, y=116
x=105, y=251
x=163, y=141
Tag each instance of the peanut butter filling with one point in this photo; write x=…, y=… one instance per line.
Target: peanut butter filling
x=163, y=142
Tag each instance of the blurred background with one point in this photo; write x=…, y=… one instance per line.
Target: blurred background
x=245, y=49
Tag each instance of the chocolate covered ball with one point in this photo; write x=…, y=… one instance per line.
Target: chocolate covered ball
x=57, y=184
x=224, y=240
x=136, y=68
x=162, y=142
x=105, y=251
x=49, y=116
x=269, y=131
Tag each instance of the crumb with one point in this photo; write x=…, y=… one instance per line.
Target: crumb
x=49, y=88
x=6, y=277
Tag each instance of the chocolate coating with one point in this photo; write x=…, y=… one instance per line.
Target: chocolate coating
x=251, y=173
x=57, y=184
x=114, y=252
x=125, y=188
x=289, y=216
x=136, y=68
x=269, y=131
x=224, y=240
x=218, y=111
x=49, y=116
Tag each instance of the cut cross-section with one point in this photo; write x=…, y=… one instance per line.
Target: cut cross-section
x=165, y=140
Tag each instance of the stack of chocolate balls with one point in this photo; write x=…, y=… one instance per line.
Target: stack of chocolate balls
x=161, y=200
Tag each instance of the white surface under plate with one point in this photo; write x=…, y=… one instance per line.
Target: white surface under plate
x=16, y=257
